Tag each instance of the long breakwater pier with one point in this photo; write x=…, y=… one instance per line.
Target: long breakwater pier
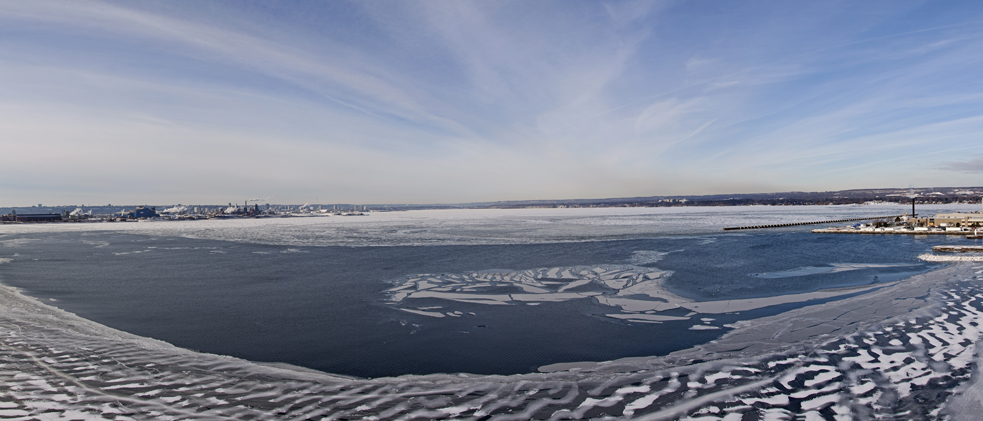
x=792, y=224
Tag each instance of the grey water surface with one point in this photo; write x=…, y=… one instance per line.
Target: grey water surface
x=325, y=307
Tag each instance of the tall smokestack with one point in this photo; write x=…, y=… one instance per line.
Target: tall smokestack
x=912, y=207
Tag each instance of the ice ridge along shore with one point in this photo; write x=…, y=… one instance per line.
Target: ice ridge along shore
x=906, y=351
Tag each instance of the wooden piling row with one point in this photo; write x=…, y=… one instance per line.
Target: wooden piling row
x=792, y=224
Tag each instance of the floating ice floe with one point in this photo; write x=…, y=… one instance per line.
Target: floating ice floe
x=545, y=285
x=645, y=257
x=637, y=291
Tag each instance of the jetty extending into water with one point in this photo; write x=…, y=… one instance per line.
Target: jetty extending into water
x=792, y=224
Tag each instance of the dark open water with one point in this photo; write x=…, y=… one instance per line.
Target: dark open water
x=324, y=307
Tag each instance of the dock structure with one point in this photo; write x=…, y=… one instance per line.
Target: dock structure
x=792, y=224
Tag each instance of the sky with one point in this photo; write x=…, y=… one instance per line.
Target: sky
x=456, y=101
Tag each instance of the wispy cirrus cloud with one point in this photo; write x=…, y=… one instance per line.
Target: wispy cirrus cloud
x=471, y=101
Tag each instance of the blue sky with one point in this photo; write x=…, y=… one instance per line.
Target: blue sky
x=454, y=101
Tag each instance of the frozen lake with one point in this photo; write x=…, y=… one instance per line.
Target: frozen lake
x=522, y=295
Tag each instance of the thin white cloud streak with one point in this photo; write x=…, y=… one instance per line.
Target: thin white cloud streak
x=279, y=60
x=517, y=70
x=123, y=101
x=477, y=101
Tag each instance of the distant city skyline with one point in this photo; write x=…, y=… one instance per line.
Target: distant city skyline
x=455, y=102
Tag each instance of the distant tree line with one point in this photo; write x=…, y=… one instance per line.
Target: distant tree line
x=764, y=199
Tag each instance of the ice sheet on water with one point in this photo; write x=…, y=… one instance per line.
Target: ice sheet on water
x=503, y=287
x=480, y=226
x=633, y=290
